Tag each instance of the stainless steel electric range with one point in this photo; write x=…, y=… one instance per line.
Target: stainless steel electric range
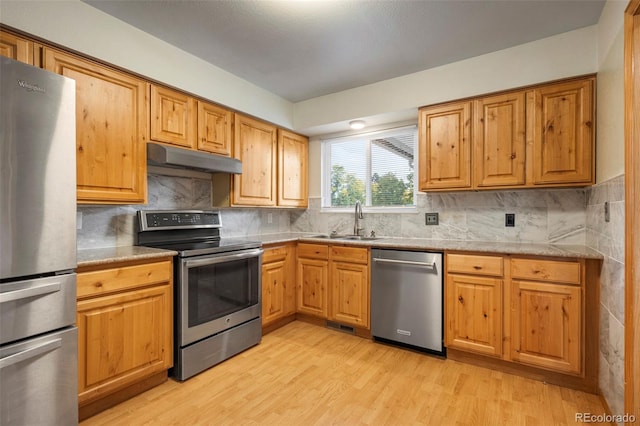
x=217, y=286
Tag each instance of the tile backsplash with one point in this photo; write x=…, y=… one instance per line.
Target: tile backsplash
x=541, y=216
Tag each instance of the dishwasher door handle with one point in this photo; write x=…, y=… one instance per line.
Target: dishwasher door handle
x=431, y=266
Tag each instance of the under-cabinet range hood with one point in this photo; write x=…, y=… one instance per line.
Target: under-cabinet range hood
x=169, y=156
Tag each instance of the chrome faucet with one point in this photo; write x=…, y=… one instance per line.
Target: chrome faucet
x=358, y=215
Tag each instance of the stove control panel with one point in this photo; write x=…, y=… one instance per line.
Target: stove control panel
x=150, y=220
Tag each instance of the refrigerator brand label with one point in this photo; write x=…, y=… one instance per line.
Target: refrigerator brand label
x=31, y=87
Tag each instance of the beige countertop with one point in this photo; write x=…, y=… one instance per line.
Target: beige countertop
x=555, y=250
x=88, y=257
x=97, y=256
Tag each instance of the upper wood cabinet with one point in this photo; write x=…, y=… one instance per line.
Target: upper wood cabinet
x=534, y=137
x=16, y=47
x=215, y=127
x=563, y=133
x=255, y=144
x=111, y=130
x=173, y=117
x=499, y=140
x=444, y=146
x=293, y=173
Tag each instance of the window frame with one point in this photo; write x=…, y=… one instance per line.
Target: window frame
x=366, y=207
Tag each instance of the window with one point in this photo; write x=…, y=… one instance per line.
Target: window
x=376, y=168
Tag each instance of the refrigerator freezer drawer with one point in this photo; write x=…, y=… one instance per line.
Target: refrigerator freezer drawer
x=40, y=380
x=36, y=306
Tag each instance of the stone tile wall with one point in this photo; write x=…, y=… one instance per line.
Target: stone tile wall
x=542, y=216
x=608, y=238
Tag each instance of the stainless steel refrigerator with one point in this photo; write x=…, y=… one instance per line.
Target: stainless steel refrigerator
x=38, y=339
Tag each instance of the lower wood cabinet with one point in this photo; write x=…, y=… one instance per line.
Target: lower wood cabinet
x=535, y=314
x=125, y=335
x=278, y=283
x=474, y=320
x=333, y=283
x=312, y=277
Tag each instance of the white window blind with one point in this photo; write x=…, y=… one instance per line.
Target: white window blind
x=376, y=168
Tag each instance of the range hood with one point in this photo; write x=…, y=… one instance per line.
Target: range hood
x=169, y=156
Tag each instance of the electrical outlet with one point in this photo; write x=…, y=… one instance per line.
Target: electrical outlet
x=269, y=217
x=431, y=218
x=78, y=220
x=510, y=219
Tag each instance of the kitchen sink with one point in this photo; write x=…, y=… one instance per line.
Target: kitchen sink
x=345, y=237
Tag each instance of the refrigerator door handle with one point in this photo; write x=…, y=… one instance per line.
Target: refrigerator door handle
x=40, y=290
x=30, y=353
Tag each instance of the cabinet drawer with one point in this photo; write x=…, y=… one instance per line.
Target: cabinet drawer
x=317, y=251
x=474, y=264
x=105, y=281
x=350, y=254
x=274, y=254
x=546, y=270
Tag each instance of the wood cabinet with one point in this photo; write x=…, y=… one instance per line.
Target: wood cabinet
x=293, y=173
x=111, y=130
x=255, y=144
x=312, y=279
x=541, y=136
x=445, y=146
x=278, y=283
x=537, y=316
x=173, y=117
x=182, y=120
x=125, y=335
x=499, y=140
x=349, y=278
x=333, y=283
x=16, y=47
x=215, y=128
x=547, y=312
x=473, y=303
x=563, y=133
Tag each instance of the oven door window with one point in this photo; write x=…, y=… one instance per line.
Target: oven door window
x=220, y=289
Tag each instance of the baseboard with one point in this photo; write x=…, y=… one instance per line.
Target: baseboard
x=266, y=329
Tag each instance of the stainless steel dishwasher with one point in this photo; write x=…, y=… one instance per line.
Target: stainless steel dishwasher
x=406, y=298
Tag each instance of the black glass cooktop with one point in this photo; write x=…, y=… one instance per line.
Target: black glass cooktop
x=197, y=248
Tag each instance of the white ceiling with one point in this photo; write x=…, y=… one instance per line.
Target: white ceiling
x=304, y=49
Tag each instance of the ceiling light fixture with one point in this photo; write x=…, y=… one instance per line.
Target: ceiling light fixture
x=356, y=124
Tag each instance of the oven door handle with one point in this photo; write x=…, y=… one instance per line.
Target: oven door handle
x=211, y=260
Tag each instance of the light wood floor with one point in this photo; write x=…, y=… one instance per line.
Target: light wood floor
x=303, y=374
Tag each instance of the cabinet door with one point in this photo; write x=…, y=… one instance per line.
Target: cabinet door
x=546, y=325
x=293, y=159
x=15, y=47
x=255, y=145
x=444, y=146
x=350, y=293
x=274, y=276
x=312, y=279
x=123, y=338
x=563, y=133
x=499, y=140
x=111, y=129
x=474, y=314
x=173, y=117
x=214, y=129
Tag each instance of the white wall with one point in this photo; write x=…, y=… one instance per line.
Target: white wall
x=610, y=93
x=565, y=55
x=78, y=26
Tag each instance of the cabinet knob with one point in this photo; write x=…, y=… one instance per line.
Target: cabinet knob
x=460, y=299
